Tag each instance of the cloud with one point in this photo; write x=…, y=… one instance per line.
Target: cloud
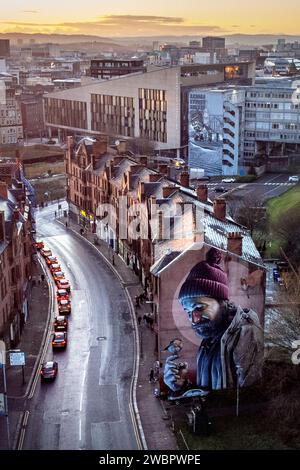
x=29, y=11
x=127, y=25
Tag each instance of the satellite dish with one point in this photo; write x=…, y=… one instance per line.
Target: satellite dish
x=117, y=142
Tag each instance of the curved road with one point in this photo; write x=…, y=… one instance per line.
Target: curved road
x=87, y=406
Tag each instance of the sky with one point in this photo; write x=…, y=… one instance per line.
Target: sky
x=115, y=18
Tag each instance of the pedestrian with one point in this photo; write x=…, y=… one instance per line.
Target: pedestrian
x=55, y=214
x=151, y=322
x=81, y=231
x=66, y=224
x=139, y=319
x=137, y=301
x=42, y=277
x=151, y=376
x=145, y=319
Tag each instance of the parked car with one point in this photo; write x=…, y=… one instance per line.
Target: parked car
x=59, y=339
x=220, y=189
x=51, y=260
x=64, y=306
x=45, y=252
x=294, y=179
x=39, y=245
x=49, y=370
x=228, y=180
x=203, y=178
x=55, y=268
x=57, y=275
x=62, y=294
x=60, y=323
x=63, y=284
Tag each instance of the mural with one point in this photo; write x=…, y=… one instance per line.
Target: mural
x=212, y=328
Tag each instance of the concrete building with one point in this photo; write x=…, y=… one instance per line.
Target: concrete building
x=105, y=69
x=15, y=253
x=4, y=48
x=272, y=122
x=32, y=114
x=152, y=105
x=11, y=130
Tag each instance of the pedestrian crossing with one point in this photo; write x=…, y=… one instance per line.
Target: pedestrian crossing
x=255, y=183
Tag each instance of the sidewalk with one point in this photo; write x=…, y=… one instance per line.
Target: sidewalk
x=31, y=339
x=156, y=428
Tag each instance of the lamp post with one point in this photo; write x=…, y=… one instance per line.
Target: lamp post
x=2, y=364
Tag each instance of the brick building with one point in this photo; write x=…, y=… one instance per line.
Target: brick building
x=15, y=253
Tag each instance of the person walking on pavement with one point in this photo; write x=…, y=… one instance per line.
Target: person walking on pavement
x=137, y=301
x=66, y=224
x=151, y=376
x=139, y=319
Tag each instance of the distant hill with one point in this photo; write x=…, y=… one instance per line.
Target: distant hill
x=57, y=38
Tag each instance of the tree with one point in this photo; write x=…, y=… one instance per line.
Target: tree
x=287, y=230
x=248, y=211
x=140, y=146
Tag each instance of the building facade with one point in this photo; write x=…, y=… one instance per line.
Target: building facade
x=105, y=69
x=152, y=105
x=11, y=129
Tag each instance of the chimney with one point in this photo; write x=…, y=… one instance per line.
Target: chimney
x=144, y=160
x=202, y=193
x=154, y=177
x=136, y=168
x=100, y=146
x=2, y=226
x=3, y=190
x=142, y=190
x=167, y=191
x=160, y=215
x=219, y=208
x=122, y=146
x=163, y=168
x=235, y=243
x=169, y=173
x=185, y=179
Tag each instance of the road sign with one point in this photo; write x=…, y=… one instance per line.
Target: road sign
x=2, y=405
x=17, y=358
x=2, y=352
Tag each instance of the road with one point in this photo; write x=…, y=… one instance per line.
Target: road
x=87, y=406
x=266, y=187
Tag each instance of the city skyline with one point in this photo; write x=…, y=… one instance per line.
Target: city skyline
x=131, y=19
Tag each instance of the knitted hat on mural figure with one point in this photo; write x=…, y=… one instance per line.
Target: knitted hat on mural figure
x=206, y=279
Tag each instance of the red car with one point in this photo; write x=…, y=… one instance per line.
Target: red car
x=49, y=370
x=62, y=294
x=51, y=260
x=54, y=267
x=45, y=252
x=39, y=245
x=64, y=306
x=59, y=340
x=60, y=323
x=63, y=284
x=57, y=276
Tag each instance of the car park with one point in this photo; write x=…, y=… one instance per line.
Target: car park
x=294, y=179
x=57, y=275
x=45, y=252
x=63, y=284
x=51, y=260
x=62, y=294
x=49, y=370
x=60, y=323
x=64, y=306
x=228, y=180
x=59, y=340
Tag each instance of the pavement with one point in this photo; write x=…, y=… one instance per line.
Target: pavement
x=31, y=341
x=151, y=415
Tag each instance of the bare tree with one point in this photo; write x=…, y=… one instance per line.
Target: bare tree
x=248, y=210
x=287, y=229
x=140, y=146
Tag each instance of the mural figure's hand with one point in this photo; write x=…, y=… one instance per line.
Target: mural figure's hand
x=171, y=374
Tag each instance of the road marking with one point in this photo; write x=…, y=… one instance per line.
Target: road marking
x=23, y=430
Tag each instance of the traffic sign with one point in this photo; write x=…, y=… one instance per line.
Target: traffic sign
x=2, y=405
x=17, y=358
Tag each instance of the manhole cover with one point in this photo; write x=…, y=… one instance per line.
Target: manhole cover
x=101, y=338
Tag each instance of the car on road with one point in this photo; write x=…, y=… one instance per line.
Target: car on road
x=220, y=189
x=58, y=275
x=60, y=323
x=62, y=294
x=51, y=260
x=64, y=306
x=294, y=179
x=39, y=245
x=49, y=370
x=55, y=268
x=203, y=178
x=228, y=180
x=45, y=252
x=59, y=340
x=63, y=284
